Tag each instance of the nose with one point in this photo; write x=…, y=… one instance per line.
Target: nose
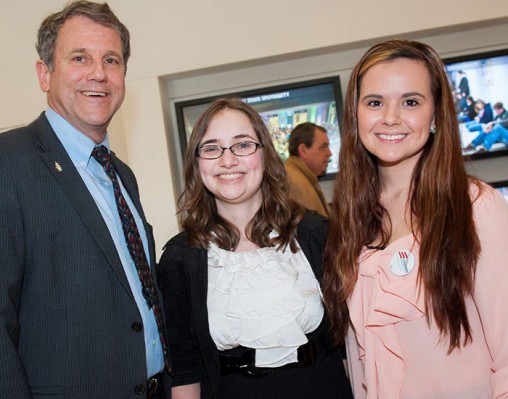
x=97, y=72
x=328, y=152
x=391, y=115
x=228, y=159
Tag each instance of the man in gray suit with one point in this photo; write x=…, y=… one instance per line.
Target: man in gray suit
x=75, y=320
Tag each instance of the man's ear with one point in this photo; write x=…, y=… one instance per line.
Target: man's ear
x=302, y=150
x=43, y=75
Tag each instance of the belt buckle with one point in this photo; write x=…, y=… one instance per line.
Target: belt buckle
x=247, y=364
x=253, y=371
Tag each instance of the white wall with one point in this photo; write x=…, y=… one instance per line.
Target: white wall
x=181, y=48
x=215, y=82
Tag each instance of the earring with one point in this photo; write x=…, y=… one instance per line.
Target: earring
x=433, y=128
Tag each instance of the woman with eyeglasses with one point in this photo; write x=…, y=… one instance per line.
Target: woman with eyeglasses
x=240, y=284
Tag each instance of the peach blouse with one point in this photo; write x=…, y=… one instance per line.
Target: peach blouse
x=394, y=353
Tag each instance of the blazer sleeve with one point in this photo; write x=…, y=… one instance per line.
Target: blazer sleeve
x=312, y=232
x=174, y=285
x=312, y=235
x=12, y=264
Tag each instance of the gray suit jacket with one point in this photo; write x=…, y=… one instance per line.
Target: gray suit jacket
x=69, y=325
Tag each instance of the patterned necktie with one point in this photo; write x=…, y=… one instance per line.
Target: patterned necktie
x=135, y=246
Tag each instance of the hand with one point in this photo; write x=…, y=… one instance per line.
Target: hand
x=191, y=391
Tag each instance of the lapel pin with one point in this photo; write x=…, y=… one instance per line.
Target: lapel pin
x=58, y=167
x=402, y=263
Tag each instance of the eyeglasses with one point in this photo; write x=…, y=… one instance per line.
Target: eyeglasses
x=242, y=149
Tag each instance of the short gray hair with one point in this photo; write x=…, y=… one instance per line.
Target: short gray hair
x=97, y=12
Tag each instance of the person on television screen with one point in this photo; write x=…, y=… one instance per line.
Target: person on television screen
x=76, y=320
x=309, y=154
x=492, y=132
x=484, y=115
x=240, y=284
x=469, y=113
x=463, y=88
x=416, y=261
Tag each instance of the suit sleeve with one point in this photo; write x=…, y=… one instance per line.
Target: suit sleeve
x=175, y=290
x=491, y=295
x=13, y=378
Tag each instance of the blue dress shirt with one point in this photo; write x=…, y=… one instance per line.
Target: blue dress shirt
x=79, y=147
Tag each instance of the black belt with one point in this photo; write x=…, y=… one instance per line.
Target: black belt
x=152, y=386
x=242, y=360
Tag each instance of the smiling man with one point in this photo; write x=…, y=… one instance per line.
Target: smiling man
x=309, y=156
x=80, y=315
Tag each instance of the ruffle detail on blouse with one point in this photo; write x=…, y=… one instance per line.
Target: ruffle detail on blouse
x=262, y=299
x=380, y=300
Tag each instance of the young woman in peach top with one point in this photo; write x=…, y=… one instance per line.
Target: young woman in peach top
x=417, y=259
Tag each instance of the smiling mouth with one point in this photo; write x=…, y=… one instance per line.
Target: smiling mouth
x=94, y=94
x=230, y=176
x=391, y=137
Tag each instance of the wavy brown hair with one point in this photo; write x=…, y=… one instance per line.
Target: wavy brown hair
x=197, y=205
x=439, y=199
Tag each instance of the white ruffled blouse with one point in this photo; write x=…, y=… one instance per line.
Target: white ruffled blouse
x=262, y=299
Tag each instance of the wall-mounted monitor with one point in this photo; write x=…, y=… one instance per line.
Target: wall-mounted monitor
x=502, y=187
x=282, y=107
x=478, y=82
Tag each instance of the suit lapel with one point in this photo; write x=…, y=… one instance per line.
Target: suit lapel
x=61, y=167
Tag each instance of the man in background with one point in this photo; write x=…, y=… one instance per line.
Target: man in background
x=309, y=156
x=79, y=310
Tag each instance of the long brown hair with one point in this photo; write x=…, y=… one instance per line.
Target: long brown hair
x=197, y=205
x=440, y=204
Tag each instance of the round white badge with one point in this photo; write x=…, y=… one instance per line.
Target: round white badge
x=402, y=263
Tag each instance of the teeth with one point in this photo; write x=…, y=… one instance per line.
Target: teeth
x=231, y=176
x=392, y=136
x=94, y=93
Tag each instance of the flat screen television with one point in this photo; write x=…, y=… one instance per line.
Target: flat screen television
x=480, y=76
x=502, y=187
x=283, y=107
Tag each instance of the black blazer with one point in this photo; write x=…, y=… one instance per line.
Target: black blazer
x=182, y=275
x=67, y=314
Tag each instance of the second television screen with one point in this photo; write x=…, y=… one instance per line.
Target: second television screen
x=479, y=81
x=282, y=107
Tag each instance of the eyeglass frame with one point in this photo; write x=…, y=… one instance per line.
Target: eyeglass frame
x=257, y=145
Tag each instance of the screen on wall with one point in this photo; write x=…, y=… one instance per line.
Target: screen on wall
x=479, y=81
x=282, y=107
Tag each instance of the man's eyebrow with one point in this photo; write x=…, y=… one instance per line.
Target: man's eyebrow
x=85, y=50
x=113, y=52
x=79, y=50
